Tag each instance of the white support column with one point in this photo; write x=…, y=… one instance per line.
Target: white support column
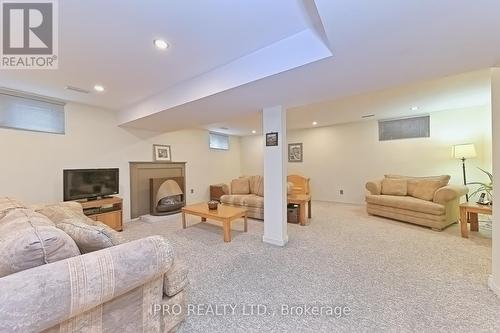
x=275, y=173
x=494, y=280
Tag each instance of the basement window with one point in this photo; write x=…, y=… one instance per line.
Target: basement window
x=218, y=141
x=31, y=113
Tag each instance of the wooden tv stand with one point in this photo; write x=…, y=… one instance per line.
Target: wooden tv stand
x=108, y=211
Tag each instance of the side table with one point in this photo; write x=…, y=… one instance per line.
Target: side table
x=468, y=214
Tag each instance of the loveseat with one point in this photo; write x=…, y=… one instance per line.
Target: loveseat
x=426, y=201
x=47, y=285
x=246, y=192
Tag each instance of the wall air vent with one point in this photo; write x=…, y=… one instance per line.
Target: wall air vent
x=78, y=90
x=404, y=128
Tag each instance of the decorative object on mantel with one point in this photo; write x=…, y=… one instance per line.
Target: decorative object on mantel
x=162, y=153
x=295, y=152
x=271, y=139
x=463, y=152
x=213, y=205
x=484, y=188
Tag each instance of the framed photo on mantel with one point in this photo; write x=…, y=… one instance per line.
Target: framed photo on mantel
x=271, y=139
x=162, y=153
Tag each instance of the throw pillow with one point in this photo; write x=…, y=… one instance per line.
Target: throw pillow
x=29, y=239
x=394, y=187
x=413, y=181
x=60, y=211
x=257, y=185
x=7, y=204
x=425, y=189
x=89, y=235
x=240, y=186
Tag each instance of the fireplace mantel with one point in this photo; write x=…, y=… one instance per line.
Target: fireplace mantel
x=140, y=173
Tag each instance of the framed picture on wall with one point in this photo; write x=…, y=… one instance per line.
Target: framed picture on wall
x=271, y=139
x=162, y=153
x=295, y=152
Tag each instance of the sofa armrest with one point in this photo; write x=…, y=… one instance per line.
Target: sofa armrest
x=226, y=189
x=176, y=279
x=374, y=186
x=449, y=192
x=42, y=297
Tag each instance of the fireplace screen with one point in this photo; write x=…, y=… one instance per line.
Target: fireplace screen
x=166, y=195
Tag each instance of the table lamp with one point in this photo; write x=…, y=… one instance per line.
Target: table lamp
x=463, y=152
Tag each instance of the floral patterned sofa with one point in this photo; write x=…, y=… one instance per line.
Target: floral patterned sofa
x=47, y=285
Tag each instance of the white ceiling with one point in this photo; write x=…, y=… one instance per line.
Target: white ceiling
x=111, y=42
x=228, y=59
x=470, y=89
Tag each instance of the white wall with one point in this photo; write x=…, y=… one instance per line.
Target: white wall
x=494, y=281
x=32, y=163
x=346, y=156
x=252, y=155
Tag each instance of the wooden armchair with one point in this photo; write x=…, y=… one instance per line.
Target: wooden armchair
x=300, y=184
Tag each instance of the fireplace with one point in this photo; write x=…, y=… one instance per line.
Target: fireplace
x=140, y=184
x=166, y=195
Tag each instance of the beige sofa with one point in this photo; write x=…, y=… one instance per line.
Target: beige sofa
x=247, y=192
x=426, y=201
x=48, y=286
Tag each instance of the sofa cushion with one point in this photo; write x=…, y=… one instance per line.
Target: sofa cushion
x=408, y=203
x=256, y=185
x=88, y=237
x=248, y=200
x=413, y=181
x=60, y=211
x=402, y=214
x=29, y=239
x=423, y=220
x=240, y=186
x=425, y=189
x=7, y=204
x=394, y=186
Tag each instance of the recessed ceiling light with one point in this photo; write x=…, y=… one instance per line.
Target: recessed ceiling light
x=98, y=88
x=414, y=108
x=315, y=123
x=254, y=131
x=160, y=44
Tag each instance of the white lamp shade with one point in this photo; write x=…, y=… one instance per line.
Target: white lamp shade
x=464, y=151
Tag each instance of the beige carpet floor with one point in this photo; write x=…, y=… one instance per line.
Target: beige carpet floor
x=394, y=277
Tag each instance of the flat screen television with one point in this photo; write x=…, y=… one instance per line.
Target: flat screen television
x=90, y=183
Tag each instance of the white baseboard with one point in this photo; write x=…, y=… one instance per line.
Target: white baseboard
x=277, y=242
x=493, y=286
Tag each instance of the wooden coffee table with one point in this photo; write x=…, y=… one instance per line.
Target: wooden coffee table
x=468, y=214
x=224, y=214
